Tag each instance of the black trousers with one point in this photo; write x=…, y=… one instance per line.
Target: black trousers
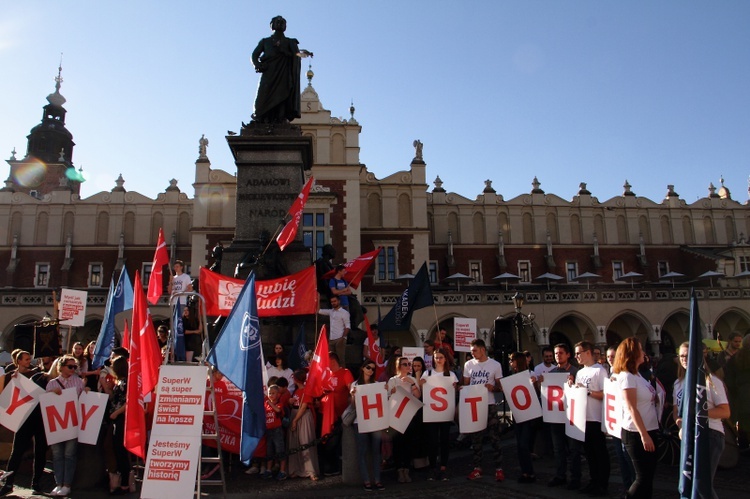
x=644, y=464
x=439, y=443
x=597, y=454
x=30, y=433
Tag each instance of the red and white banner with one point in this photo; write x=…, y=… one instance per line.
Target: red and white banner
x=17, y=400
x=229, y=414
x=521, y=396
x=553, y=397
x=439, y=399
x=295, y=294
x=371, y=400
x=464, y=332
x=612, y=408
x=472, y=408
x=576, y=399
x=72, y=307
x=60, y=415
x=289, y=232
x=403, y=407
x=92, y=406
x=357, y=268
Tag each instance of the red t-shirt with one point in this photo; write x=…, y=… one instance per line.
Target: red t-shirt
x=339, y=386
x=273, y=418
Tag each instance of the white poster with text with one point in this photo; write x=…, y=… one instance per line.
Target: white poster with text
x=472, y=409
x=371, y=401
x=17, y=400
x=521, y=396
x=464, y=332
x=553, y=397
x=439, y=397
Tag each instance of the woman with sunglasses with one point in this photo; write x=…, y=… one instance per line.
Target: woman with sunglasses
x=403, y=443
x=64, y=453
x=365, y=440
x=718, y=407
x=439, y=432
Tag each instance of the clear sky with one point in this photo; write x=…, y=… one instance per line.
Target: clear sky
x=569, y=91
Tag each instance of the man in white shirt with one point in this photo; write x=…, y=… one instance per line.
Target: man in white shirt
x=180, y=282
x=481, y=370
x=340, y=323
x=548, y=362
x=592, y=376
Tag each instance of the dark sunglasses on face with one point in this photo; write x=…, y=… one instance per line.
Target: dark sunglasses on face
x=369, y=368
x=71, y=366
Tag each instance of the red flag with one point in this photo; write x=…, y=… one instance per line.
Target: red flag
x=375, y=354
x=320, y=371
x=156, y=282
x=126, y=336
x=135, y=415
x=357, y=268
x=289, y=232
x=148, y=346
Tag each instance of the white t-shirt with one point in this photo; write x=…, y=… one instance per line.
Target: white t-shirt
x=716, y=394
x=405, y=383
x=592, y=378
x=541, y=369
x=645, y=401
x=432, y=372
x=286, y=373
x=180, y=284
x=483, y=373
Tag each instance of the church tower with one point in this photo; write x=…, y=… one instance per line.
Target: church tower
x=48, y=163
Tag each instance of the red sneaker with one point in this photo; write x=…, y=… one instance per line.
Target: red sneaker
x=475, y=473
x=499, y=475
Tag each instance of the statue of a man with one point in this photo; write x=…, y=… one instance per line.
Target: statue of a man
x=277, y=58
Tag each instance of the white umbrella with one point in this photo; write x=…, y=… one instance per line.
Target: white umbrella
x=672, y=276
x=710, y=276
x=630, y=276
x=548, y=277
x=507, y=276
x=744, y=273
x=458, y=277
x=404, y=277
x=588, y=277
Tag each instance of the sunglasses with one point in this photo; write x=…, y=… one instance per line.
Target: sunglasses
x=71, y=366
x=404, y=364
x=369, y=368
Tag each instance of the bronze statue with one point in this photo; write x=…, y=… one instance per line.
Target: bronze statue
x=277, y=58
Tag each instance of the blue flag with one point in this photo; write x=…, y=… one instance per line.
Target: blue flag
x=237, y=353
x=418, y=295
x=178, y=334
x=695, y=480
x=297, y=355
x=119, y=299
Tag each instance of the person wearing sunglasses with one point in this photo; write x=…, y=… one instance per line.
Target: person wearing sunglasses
x=367, y=441
x=64, y=453
x=404, y=443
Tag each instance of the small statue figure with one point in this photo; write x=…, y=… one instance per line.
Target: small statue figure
x=418, y=150
x=203, y=145
x=217, y=253
x=277, y=58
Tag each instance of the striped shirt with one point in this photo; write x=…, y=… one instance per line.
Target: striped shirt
x=73, y=381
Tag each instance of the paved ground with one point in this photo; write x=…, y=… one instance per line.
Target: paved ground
x=729, y=483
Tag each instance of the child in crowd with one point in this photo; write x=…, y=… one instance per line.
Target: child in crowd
x=274, y=433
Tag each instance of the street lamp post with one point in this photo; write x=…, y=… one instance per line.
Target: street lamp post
x=521, y=320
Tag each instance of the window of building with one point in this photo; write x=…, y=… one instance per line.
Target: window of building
x=744, y=263
x=146, y=273
x=475, y=271
x=432, y=269
x=41, y=278
x=314, y=232
x=386, y=264
x=663, y=267
x=95, y=275
x=571, y=268
x=524, y=271
x=617, y=271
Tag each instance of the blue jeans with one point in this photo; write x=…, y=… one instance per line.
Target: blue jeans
x=371, y=440
x=717, y=448
x=524, y=438
x=64, y=461
x=626, y=465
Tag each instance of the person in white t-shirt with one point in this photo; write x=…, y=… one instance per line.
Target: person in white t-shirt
x=640, y=423
x=718, y=408
x=439, y=432
x=180, y=282
x=481, y=370
x=592, y=376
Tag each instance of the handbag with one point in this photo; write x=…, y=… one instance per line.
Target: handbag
x=347, y=418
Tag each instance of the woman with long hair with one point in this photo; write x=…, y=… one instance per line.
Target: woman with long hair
x=367, y=441
x=403, y=442
x=718, y=407
x=191, y=322
x=78, y=353
x=301, y=432
x=439, y=432
x=123, y=480
x=90, y=375
x=640, y=422
x=280, y=369
x=524, y=430
x=391, y=364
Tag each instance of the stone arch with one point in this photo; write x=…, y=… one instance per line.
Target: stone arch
x=374, y=210
x=41, y=229
x=552, y=228
x=183, y=228
x=628, y=323
x=576, y=234
x=157, y=222
x=128, y=228
x=666, y=230
x=528, y=228
x=730, y=229
x=404, y=210
x=338, y=148
x=708, y=230
x=675, y=330
x=687, y=230
x=6, y=338
x=732, y=319
x=644, y=228
x=102, y=228
x=478, y=225
x=574, y=326
x=622, y=230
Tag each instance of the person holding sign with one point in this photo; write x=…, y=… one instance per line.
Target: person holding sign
x=524, y=430
x=64, y=453
x=403, y=443
x=481, y=370
x=369, y=440
x=640, y=423
x=439, y=432
x=591, y=376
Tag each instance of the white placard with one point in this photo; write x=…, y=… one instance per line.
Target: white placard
x=411, y=352
x=612, y=408
x=60, y=415
x=171, y=467
x=371, y=400
x=472, y=409
x=576, y=398
x=17, y=400
x=464, y=332
x=403, y=405
x=553, y=397
x=179, y=400
x=439, y=398
x=92, y=406
x=521, y=396
x=72, y=307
